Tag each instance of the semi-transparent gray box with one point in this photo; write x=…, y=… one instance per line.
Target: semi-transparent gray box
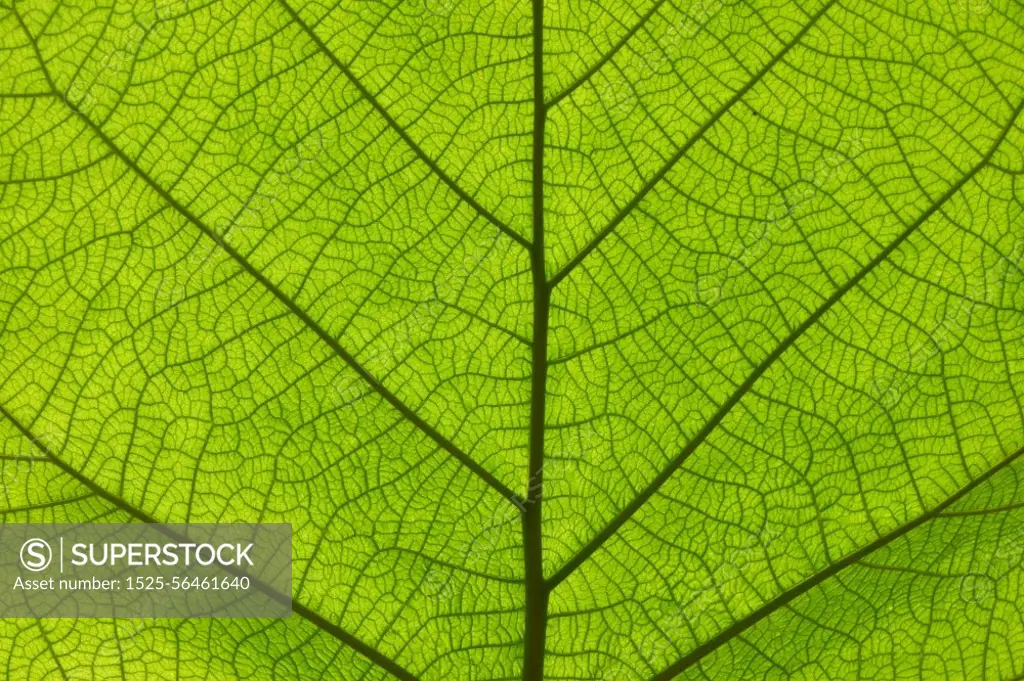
x=145, y=570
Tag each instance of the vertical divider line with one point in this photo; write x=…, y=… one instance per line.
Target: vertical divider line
x=536, y=592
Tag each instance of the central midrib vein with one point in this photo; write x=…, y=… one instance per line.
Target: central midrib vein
x=536, y=596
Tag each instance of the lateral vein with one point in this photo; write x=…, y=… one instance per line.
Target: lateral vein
x=682, y=151
x=662, y=477
x=305, y=612
x=393, y=124
x=292, y=306
x=741, y=625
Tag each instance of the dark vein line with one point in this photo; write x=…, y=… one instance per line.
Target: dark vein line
x=58, y=176
x=333, y=629
x=49, y=647
x=47, y=504
x=662, y=477
x=681, y=152
x=536, y=592
x=331, y=342
x=993, y=510
x=589, y=73
x=393, y=124
x=785, y=597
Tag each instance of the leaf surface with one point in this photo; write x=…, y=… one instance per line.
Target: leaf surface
x=575, y=340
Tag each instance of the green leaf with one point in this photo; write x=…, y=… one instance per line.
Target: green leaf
x=575, y=340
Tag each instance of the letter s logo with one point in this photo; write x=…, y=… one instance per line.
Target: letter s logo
x=36, y=555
